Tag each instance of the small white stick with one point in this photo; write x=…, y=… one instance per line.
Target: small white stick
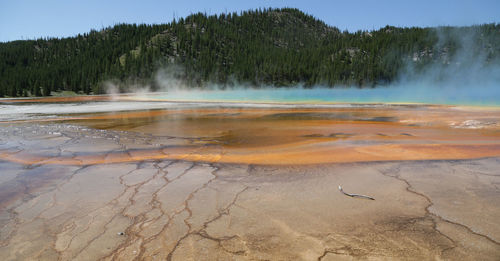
x=354, y=195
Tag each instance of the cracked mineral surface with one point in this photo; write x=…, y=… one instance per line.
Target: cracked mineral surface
x=219, y=182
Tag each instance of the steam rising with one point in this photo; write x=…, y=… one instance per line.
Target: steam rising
x=466, y=74
x=113, y=89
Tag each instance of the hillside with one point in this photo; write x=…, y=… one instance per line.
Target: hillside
x=272, y=47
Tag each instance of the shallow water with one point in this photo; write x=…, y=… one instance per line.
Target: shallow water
x=402, y=94
x=251, y=181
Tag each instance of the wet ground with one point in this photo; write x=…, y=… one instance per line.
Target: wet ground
x=225, y=182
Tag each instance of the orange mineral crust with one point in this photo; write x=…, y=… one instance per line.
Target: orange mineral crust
x=58, y=99
x=284, y=136
x=314, y=154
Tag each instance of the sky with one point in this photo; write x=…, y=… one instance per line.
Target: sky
x=30, y=19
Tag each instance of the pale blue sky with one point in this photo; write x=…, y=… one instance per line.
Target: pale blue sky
x=28, y=19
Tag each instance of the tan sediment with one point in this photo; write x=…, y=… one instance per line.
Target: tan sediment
x=225, y=212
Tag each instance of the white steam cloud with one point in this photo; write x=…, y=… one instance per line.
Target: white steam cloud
x=462, y=71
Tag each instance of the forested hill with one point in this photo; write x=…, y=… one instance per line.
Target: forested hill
x=272, y=47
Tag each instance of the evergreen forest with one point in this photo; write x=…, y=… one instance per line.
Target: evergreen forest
x=264, y=47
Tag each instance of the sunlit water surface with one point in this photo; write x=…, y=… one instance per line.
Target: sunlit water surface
x=409, y=94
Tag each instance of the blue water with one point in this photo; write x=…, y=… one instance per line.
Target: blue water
x=409, y=94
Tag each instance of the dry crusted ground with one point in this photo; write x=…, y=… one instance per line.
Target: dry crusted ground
x=183, y=210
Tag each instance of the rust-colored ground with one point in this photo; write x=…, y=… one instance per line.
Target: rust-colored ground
x=296, y=136
x=59, y=99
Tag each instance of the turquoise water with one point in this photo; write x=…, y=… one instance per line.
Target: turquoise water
x=453, y=96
